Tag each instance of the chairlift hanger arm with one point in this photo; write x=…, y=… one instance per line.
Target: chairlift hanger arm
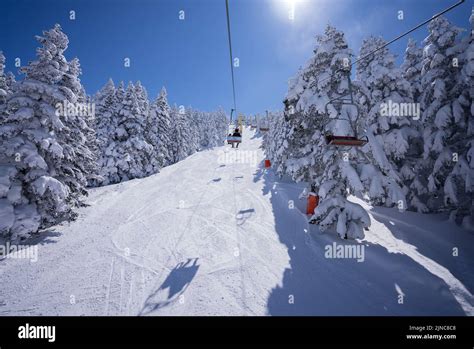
x=338, y=98
x=351, y=101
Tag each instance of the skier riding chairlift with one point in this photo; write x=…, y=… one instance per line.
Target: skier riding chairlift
x=235, y=138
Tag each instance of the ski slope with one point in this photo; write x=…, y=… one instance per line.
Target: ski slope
x=209, y=236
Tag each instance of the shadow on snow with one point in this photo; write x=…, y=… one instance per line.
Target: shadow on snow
x=176, y=283
x=316, y=285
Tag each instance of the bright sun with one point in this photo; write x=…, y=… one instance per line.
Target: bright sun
x=289, y=9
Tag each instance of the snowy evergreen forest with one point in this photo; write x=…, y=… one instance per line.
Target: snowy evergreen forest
x=56, y=141
x=418, y=119
x=337, y=178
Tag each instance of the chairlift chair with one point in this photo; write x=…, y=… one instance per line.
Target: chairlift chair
x=254, y=123
x=346, y=141
x=231, y=139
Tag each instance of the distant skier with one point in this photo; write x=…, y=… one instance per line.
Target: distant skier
x=236, y=134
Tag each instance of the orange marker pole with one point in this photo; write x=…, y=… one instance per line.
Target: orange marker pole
x=313, y=202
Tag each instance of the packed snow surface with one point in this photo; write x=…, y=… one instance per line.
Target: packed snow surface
x=217, y=234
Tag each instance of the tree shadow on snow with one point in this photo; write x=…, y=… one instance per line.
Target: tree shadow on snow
x=316, y=285
x=258, y=175
x=175, y=283
x=41, y=238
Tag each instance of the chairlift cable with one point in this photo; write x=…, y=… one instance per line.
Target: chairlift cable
x=409, y=31
x=231, y=58
x=397, y=38
x=354, y=140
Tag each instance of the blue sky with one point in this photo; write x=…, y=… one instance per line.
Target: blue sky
x=191, y=57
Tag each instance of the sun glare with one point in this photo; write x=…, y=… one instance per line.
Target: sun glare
x=289, y=9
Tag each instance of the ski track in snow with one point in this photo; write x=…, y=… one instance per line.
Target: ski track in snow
x=207, y=238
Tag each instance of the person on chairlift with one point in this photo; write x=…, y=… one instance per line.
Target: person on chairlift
x=236, y=134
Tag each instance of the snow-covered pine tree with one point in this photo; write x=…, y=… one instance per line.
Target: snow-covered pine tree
x=159, y=130
x=106, y=122
x=79, y=164
x=144, y=107
x=195, y=126
x=413, y=171
x=142, y=97
x=179, y=136
x=93, y=171
x=310, y=117
x=32, y=195
x=213, y=129
x=215, y=136
x=447, y=122
x=383, y=97
x=3, y=83
x=411, y=68
x=459, y=183
x=275, y=142
x=299, y=132
x=135, y=152
x=114, y=150
x=221, y=125
x=152, y=137
x=6, y=81
x=267, y=138
x=465, y=168
x=210, y=134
